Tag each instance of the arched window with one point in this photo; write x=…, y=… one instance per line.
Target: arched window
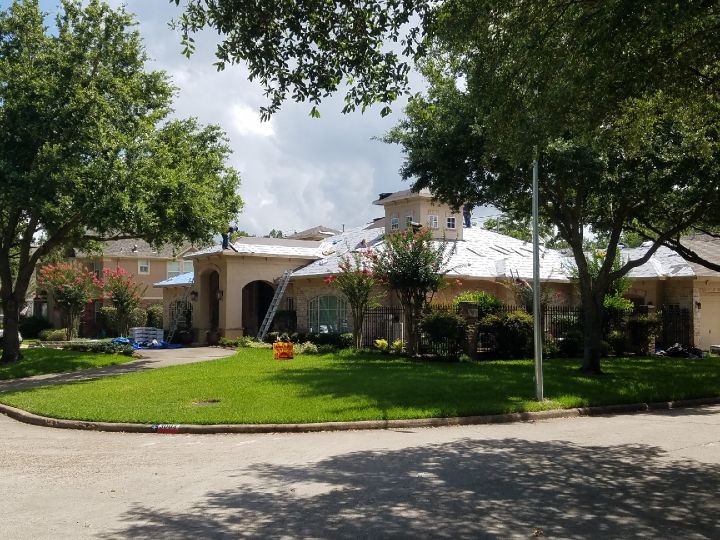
x=327, y=315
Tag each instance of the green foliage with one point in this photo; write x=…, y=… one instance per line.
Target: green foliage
x=57, y=334
x=445, y=328
x=88, y=149
x=617, y=341
x=618, y=304
x=155, y=316
x=571, y=344
x=643, y=329
x=71, y=287
x=412, y=265
x=125, y=294
x=346, y=340
x=305, y=348
x=104, y=347
x=242, y=342
x=109, y=320
x=359, y=285
x=551, y=349
x=517, y=227
x=30, y=327
x=486, y=303
x=397, y=346
x=513, y=332
x=382, y=345
x=275, y=233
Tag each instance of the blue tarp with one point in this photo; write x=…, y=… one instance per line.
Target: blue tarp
x=148, y=345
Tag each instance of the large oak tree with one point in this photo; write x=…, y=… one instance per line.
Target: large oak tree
x=88, y=151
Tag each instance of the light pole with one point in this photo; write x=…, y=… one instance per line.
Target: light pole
x=537, y=312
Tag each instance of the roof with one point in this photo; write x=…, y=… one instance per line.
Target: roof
x=136, y=247
x=402, y=195
x=666, y=263
x=321, y=231
x=267, y=247
x=481, y=254
x=181, y=280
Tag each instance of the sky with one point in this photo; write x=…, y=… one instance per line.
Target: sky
x=297, y=172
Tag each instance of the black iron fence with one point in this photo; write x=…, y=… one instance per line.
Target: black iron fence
x=675, y=325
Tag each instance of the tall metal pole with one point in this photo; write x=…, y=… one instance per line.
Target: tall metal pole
x=537, y=312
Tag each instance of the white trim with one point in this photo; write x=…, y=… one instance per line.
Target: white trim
x=141, y=265
x=432, y=221
x=447, y=222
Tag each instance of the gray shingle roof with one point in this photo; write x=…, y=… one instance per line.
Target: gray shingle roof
x=482, y=254
x=267, y=247
x=135, y=247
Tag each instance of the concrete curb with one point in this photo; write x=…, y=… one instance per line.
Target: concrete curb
x=44, y=421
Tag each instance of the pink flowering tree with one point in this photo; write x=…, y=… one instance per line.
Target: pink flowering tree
x=360, y=286
x=71, y=287
x=124, y=293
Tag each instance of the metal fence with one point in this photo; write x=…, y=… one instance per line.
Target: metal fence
x=557, y=321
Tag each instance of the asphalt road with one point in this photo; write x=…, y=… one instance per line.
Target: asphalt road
x=653, y=475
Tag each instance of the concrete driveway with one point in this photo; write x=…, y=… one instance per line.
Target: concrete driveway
x=653, y=475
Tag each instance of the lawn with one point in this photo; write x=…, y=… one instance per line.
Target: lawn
x=250, y=387
x=41, y=361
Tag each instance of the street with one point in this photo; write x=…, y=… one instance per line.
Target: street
x=644, y=475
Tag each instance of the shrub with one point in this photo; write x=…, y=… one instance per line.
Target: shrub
x=259, y=345
x=125, y=294
x=571, y=344
x=345, y=341
x=643, y=329
x=486, y=303
x=30, y=327
x=326, y=349
x=108, y=320
x=513, y=333
x=305, y=348
x=105, y=347
x=604, y=349
x=271, y=337
x=238, y=343
x=57, y=334
x=382, y=345
x=138, y=317
x=155, y=316
x=397, y=346
x=617, y=341
x=445, y=328
x=550, y=349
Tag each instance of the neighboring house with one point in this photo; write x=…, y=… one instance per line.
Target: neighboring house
x=148, y=265
x=321, y=232
x=669, y=280
x=232, y=288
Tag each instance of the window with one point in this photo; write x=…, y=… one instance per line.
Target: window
x=173, y=269
x=290, y=303
x=143, y=266
x=451, y=223
x=394, y=223
x=408, y=221
x=188, y=266
x=327, y=315
x=432, y=221
x=98, y=268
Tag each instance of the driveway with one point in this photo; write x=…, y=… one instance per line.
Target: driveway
x=653, y=475
x=151, y=359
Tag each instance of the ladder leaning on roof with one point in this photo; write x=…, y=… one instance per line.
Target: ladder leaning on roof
x=270, y=315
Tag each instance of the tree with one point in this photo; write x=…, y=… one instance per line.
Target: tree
x=124, y=293
x=619, y=152
x=275, y=233
x=87, y=152
x=413, y=265
x=359, y=284
x=71, y=288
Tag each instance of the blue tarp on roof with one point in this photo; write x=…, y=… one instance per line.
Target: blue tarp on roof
x=181, y=280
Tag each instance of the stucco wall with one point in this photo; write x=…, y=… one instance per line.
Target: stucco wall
x=420, y=209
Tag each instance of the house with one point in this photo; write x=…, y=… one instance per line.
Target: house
x=231, y=289
x=147, y=264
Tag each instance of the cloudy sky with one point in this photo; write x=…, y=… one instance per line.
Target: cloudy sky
x=297, y=172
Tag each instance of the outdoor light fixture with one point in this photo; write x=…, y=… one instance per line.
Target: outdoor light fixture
x=219, y=295
x=194, y=296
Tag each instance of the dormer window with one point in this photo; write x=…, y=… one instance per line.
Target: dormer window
x=450, y=222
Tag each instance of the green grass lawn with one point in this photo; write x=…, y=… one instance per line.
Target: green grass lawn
x=251, y=387
x=41, y=361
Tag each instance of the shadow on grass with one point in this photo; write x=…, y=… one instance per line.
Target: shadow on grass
x=463, y=489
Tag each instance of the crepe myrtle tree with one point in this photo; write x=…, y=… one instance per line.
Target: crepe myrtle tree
x=87, y=150
x=71, y=288
x=359, y=284
x=124, y=293
x=413, y=266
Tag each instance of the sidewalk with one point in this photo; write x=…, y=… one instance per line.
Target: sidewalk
x=152, y=359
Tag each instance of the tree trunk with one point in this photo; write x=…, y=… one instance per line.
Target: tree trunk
x=593, y=311
x=11, y=342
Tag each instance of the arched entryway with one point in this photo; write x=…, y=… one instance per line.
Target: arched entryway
x=213, y=299
x=256, y=299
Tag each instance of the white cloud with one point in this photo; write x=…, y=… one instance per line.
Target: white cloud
x=246, y=121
